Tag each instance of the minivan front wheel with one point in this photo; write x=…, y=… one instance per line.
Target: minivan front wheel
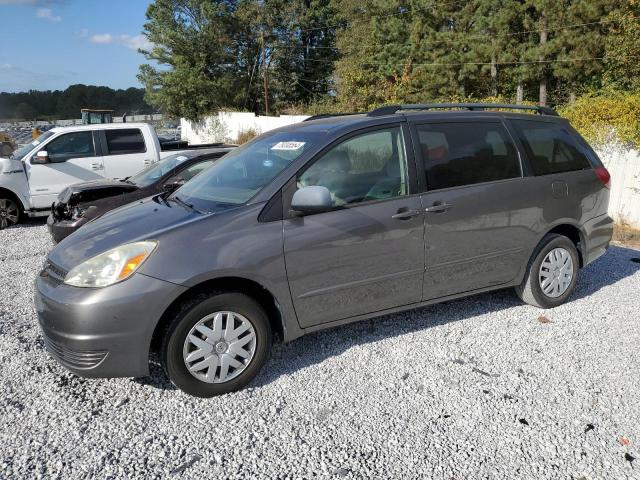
x=551, y=274
x=216, y=343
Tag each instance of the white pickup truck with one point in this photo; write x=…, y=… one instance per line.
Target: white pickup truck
x=32, y=178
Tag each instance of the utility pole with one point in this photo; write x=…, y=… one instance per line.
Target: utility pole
x=265, y=81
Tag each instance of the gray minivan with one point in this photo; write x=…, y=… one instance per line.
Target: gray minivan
x=322, y=223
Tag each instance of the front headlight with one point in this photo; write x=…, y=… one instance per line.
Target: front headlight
x=110, y=267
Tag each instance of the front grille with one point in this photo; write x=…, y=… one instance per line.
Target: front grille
x=54, y=272
x=75, y=359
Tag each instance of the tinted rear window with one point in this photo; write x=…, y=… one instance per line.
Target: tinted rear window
x=120, y=142
x=457, y=154
x=550, y=148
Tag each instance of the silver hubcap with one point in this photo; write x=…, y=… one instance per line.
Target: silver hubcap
x=556, y=272
x=8, y=212
x=219, y=347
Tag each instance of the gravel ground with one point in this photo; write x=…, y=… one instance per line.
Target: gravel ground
x=474, y=388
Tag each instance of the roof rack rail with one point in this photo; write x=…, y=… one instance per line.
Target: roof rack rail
x=329, y=115
x=391, y=109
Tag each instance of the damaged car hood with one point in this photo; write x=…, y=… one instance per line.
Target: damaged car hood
x=95, y=190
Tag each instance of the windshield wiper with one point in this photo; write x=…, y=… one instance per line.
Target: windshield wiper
x=179, y=201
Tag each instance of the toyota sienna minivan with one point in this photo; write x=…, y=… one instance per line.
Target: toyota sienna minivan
x=322, y=223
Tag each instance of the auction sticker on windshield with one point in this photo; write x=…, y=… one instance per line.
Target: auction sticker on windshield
x=288, y=145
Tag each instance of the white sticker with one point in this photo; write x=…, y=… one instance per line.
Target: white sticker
x=182, y=158
x=288, y=145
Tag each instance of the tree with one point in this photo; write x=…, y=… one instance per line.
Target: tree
x=25, y=111
x=622, y=47
x=240, y=54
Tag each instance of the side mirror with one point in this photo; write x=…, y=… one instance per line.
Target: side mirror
x=173, y=186
x=314, y=199
x=40, y=158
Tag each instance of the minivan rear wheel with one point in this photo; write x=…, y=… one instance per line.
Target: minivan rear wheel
x=216, y=343
x=551, y=274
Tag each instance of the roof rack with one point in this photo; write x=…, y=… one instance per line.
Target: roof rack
x=329, y=115
x=391, y=109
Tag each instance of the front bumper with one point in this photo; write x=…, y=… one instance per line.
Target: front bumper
x=61, y=229
x=102, y=332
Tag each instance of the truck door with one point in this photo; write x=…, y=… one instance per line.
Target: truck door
x=73, y=158
x=125, y=152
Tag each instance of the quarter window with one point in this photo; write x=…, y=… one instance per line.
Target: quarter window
x=125, y=141
x=371, y=166
x=457, y=154
x=549, y=148
x=71, y=145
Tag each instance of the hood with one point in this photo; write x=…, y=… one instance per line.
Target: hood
x=94, y=190
x=144, y=220
x=10, y=166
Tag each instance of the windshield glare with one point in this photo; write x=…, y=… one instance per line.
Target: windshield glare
x=149, y=175
x=21, y=152
x=242, y=173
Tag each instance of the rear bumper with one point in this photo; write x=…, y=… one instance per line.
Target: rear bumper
x=599, y=232
x=61, y=229
x=102, y=332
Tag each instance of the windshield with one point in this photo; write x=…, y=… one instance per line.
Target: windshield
x=156, y=171
x=21, y=152
x=243, y=172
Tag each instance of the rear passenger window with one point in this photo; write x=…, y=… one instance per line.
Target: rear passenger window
x=550, y=148
x=124, y=141
x=457, y=154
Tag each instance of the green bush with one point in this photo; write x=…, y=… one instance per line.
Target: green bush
x=602, y=118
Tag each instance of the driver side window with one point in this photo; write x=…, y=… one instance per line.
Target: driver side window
x=71, y=145
x=370, y=166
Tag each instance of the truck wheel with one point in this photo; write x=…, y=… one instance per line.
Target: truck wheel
x=9, y=212
x=6, y=150
x=216, y=343
x=551, y=274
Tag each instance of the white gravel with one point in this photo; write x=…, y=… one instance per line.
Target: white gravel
x=475, y=388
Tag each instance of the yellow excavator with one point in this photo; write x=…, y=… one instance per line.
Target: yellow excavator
x=7, y=145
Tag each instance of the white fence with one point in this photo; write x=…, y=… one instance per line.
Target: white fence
x=227, y=126
x=624, y=166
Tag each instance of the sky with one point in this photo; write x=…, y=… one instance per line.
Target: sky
x=51, y=44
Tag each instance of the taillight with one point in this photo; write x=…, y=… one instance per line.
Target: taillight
x=603, y=175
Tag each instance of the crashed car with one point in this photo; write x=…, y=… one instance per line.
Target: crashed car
x=86, y=201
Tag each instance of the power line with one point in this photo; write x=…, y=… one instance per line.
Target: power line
x=403, y=11
x=474, y=36
x=458, y=64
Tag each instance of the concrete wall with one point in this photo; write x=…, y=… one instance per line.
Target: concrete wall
x=227, y=126
x=624, y=166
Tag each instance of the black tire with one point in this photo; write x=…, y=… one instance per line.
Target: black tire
x=10, y=211
x=530, y=290
x=6, y=150
x=190, y=313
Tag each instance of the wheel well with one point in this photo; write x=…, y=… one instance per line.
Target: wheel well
x=10, y=194
x=236, y=284
x=573, y=234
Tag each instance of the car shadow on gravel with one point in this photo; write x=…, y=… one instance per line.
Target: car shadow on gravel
x=316, y=347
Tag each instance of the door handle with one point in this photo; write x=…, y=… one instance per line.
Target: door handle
x=406, y=214
x=438, y=207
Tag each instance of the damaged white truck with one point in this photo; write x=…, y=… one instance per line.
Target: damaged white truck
x=32, y=178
